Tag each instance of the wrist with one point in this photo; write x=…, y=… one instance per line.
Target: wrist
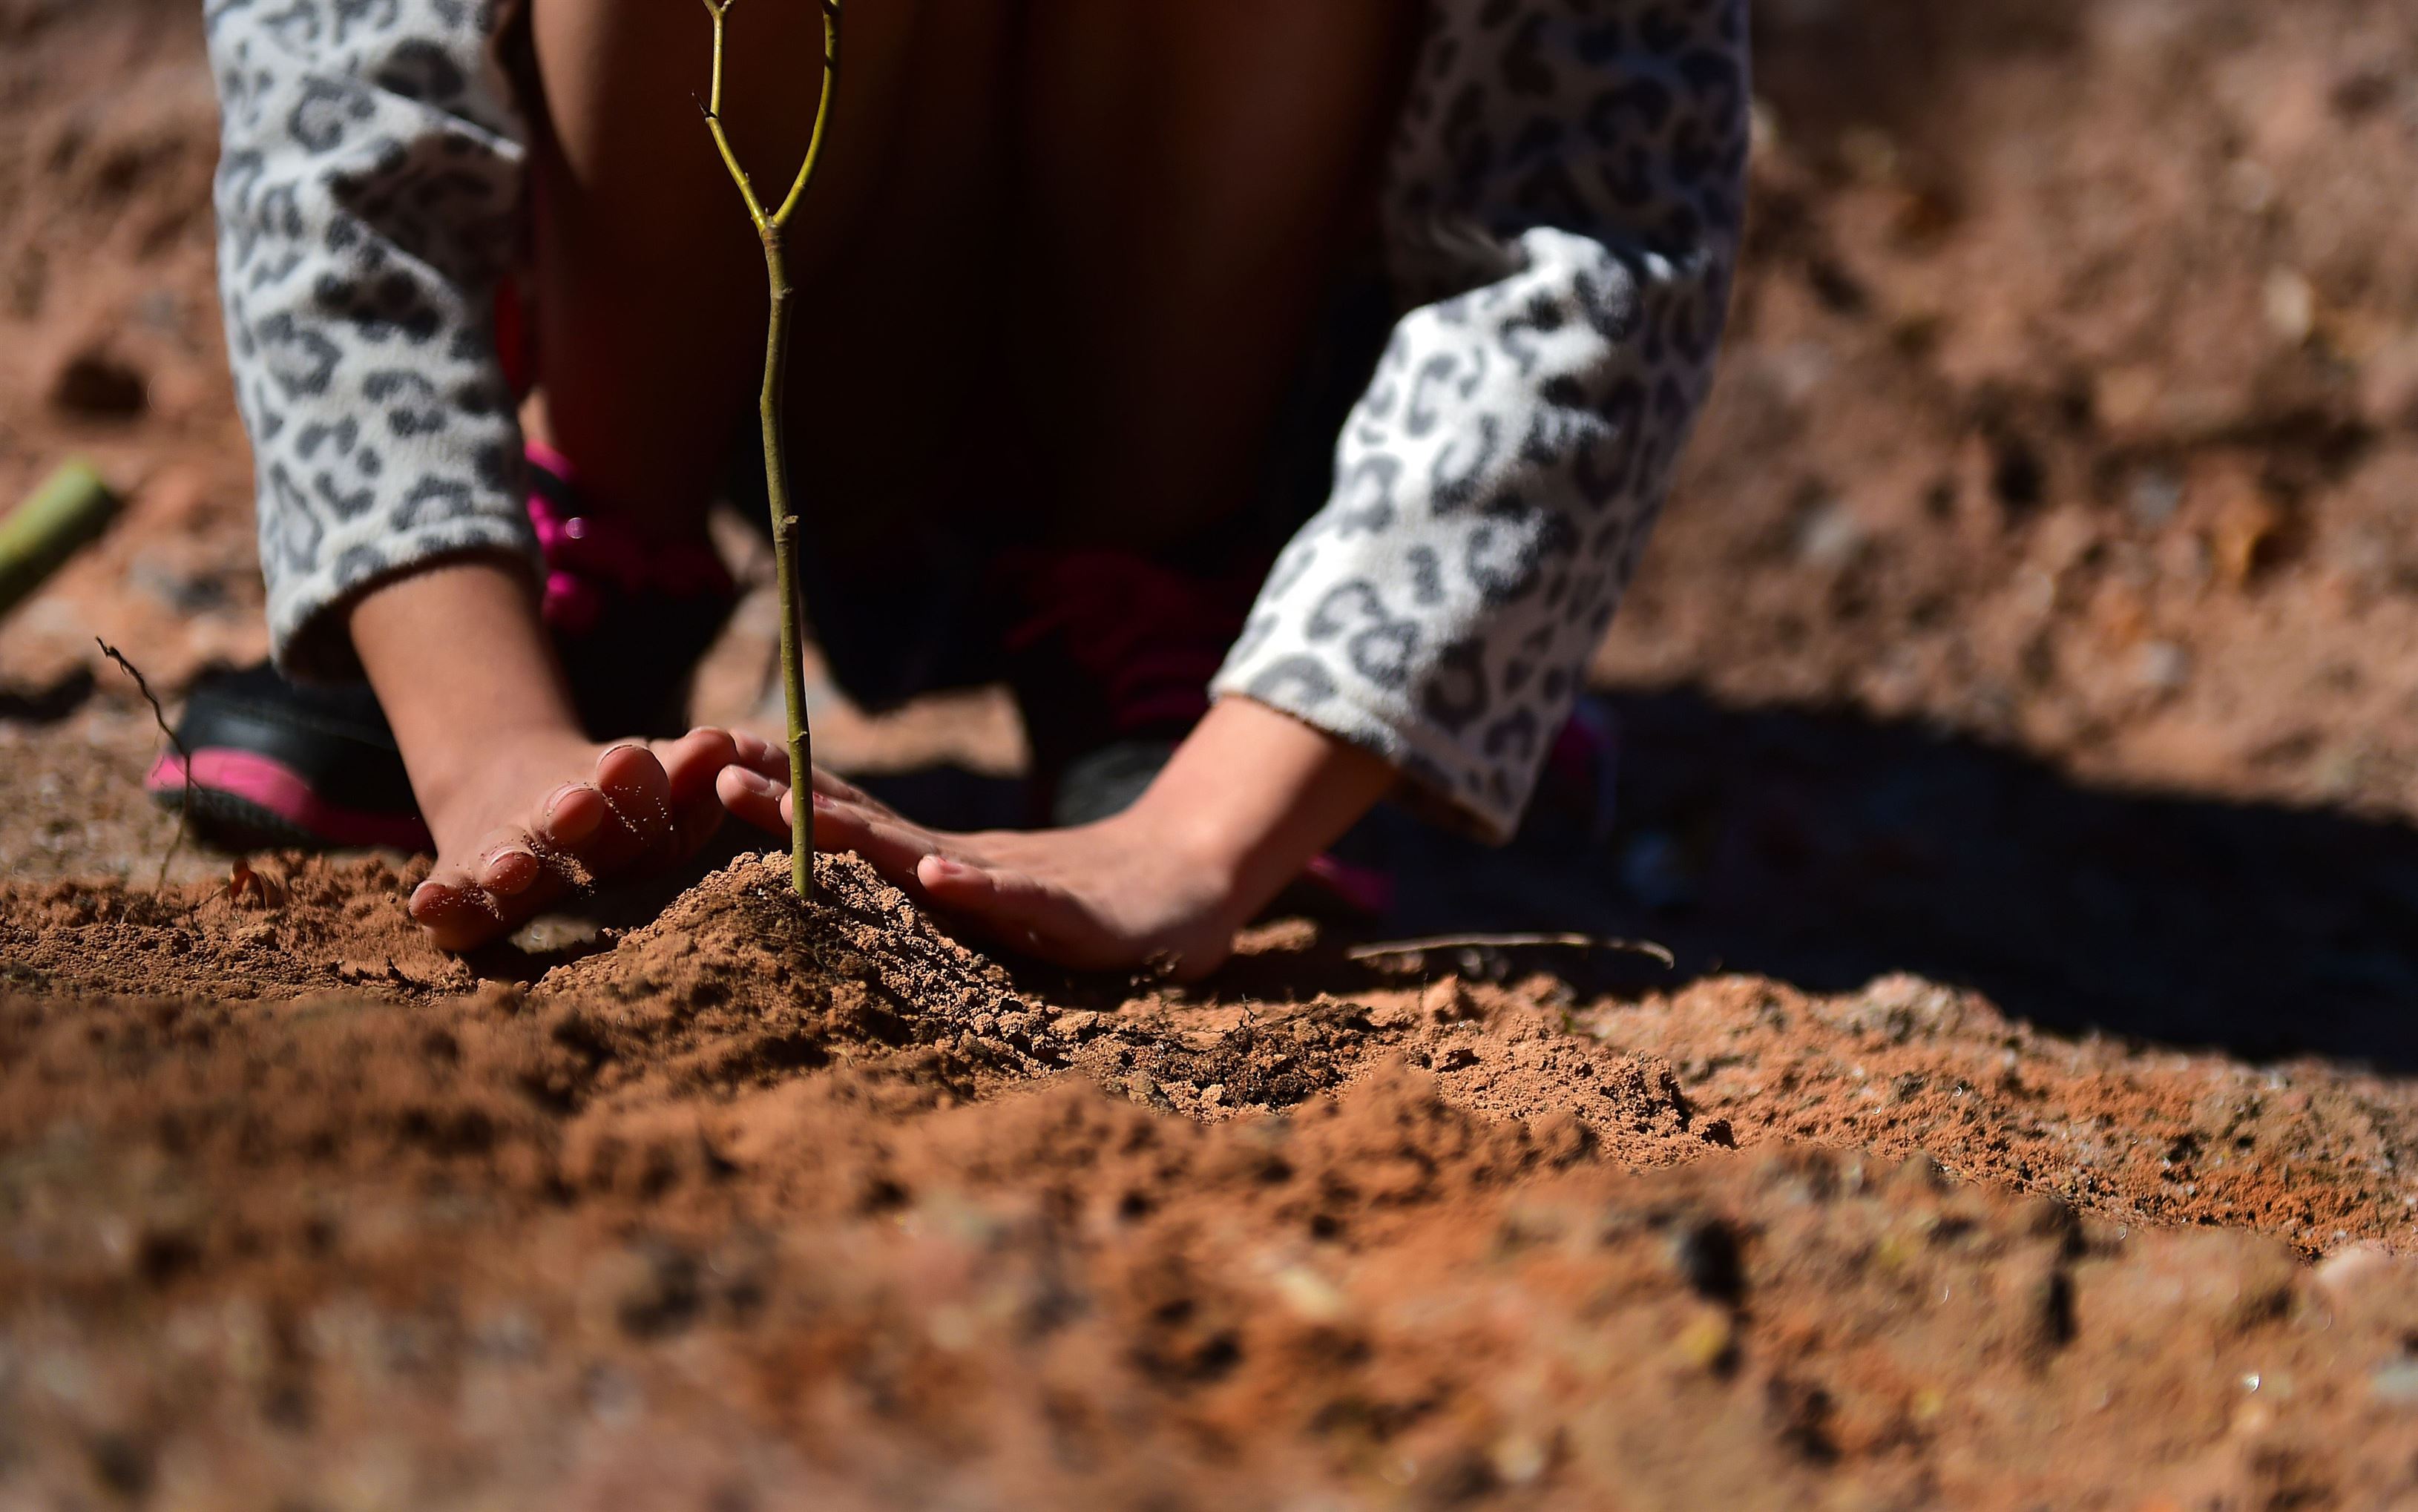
x=464, y=668
x=1201, y=837
x=1251, y=795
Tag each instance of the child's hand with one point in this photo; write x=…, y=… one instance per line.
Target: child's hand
x=1100, y=898
x=515, y=836
x=523, y=805
x=1246, y=802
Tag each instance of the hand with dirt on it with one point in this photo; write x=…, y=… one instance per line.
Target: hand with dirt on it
x=523, y=805
x=631, y=808
x=1248, y=799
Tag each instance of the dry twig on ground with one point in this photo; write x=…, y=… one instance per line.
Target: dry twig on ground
x=184, y=757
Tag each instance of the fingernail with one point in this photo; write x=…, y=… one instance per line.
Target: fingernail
x=509, y=871
x=573, y=835
x=424, y=896
x=825, y=801
x=952, y=870
x=755, y=782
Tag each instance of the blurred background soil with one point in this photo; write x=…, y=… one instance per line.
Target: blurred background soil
x=2019, y=712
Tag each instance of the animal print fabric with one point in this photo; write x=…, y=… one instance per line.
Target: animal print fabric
x=1562, y=214
x=1562, y=220
x=368, y=198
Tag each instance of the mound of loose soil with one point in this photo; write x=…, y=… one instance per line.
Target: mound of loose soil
x=765, y=1205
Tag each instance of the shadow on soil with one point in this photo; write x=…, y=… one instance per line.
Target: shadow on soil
x=1825, y=849
x=47, y=703
x=1899, y=65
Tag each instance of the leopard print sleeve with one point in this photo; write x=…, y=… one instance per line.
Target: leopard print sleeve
x=1562, y=217
x=366, y=194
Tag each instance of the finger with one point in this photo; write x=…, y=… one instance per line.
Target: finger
x=753, y=797
x=570, y=814
x=693, y=766
x=761, y=757
x=457, y=913
x=1018, y=909
x=508, y=864
x=839, y=787
x=692, y=762
x=893, y=845
x=878, y=836
x=766, y=759
x=639, y=793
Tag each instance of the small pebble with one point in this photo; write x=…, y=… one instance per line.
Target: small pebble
x=2162, y=666
x=2396, y=1384
x=1709, y=1342
x=1520, y=1457
x=2350, y=1271
x=1144, y=1089
x=1830, y=537
x=2155, y=496
x=2291, y=305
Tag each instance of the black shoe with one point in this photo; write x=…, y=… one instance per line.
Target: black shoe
x=275, y=764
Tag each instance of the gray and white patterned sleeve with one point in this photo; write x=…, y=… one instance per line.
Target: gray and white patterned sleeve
x=367, y=199
x=1562, y=215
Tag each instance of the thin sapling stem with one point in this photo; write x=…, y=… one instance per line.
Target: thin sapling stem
x=771, y=226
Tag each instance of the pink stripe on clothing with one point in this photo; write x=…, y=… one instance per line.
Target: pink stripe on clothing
x=1370, y=891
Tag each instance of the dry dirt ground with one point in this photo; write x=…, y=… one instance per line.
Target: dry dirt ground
x=2021, y=737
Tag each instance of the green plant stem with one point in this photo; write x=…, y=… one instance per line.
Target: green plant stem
x=787, y=535
x=786, y=546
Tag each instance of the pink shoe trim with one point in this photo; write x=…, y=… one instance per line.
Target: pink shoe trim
x=1368, y=891
x=548, y=458
x=281, y=791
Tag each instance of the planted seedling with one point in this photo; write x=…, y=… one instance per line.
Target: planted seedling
x=771, y=224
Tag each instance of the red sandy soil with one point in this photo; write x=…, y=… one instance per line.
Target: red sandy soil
x=2019, y=718
x=765, y=1207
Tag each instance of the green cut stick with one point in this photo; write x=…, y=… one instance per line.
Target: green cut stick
x=770, y=226
x=69, y=511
